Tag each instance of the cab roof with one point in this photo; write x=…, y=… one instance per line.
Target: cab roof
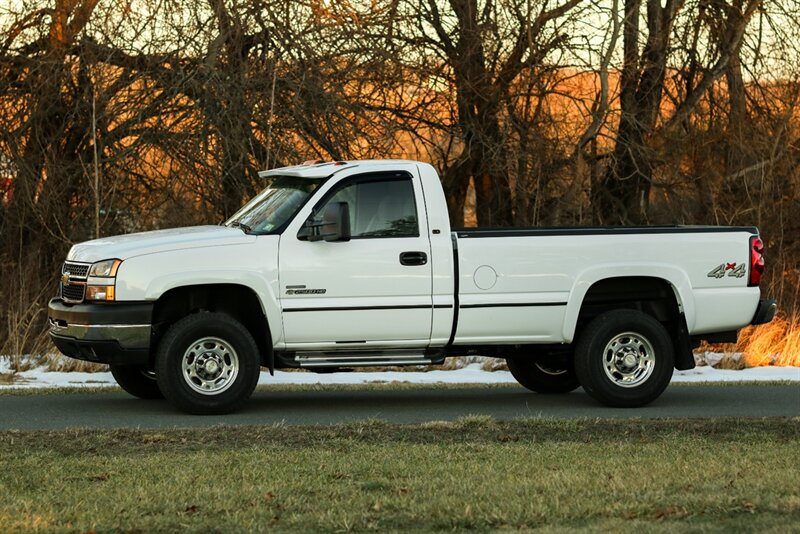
x=329, y=168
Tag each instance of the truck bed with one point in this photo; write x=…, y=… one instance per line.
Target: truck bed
x=527, y=285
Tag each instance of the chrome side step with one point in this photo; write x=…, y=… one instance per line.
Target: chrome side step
x=372, y=358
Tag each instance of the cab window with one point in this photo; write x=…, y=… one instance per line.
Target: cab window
x=384, y=208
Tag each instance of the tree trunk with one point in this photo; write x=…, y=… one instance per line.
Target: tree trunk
x=623, y=196
x=455, y=182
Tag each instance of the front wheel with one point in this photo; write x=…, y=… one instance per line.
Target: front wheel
x=137, y=380
x=207, y=363
x=546, y=378
x=624, y=358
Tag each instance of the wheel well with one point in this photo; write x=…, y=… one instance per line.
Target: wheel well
x=240, y=302
x=654, y=296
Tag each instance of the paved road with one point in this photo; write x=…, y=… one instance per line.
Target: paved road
x=116, y=410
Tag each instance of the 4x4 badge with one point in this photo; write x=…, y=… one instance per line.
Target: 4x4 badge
x=732, y=269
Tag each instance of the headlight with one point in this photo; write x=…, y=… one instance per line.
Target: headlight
x=102, y=289
x=105, y=268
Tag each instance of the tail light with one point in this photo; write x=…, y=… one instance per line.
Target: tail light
x=756, y=260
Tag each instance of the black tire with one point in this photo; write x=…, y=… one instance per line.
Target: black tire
x=137, y=380
x=193, y=342
x=603, y=347
x=542, y=377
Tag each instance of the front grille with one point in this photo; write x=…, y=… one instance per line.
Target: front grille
x=72, y=292
x=76, y=270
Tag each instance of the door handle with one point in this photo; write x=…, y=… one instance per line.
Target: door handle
x=413, y=258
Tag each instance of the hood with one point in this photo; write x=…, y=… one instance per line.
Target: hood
x=130, y=245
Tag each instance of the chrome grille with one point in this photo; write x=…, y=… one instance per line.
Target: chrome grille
x=76, y=270
x=72, y=292
x=74, y=289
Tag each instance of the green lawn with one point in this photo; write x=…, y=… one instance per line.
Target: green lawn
x=705, y=475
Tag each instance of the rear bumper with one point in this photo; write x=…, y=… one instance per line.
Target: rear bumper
x=765, y=311
x=117, y=333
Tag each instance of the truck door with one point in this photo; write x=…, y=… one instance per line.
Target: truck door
x=371, y=291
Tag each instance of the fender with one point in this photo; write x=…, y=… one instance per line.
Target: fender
x=674, y=276
x=253, y=265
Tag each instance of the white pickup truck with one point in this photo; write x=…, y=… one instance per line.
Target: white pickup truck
x=344, y=264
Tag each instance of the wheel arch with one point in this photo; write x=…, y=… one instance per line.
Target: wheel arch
x=237, y=300
x=658, y=296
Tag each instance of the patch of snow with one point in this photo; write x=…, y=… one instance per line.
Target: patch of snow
x=470, y=374
x=753, y=374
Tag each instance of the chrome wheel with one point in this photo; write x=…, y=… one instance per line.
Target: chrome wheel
x=210, y=365
x=629, y=359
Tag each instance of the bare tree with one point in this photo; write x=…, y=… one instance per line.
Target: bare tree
x=123, y=119
x=482, y=49
x=624, y=193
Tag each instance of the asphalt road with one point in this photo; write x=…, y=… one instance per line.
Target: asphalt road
x=119, y=410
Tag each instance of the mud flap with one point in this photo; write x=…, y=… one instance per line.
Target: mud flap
x=684, y=356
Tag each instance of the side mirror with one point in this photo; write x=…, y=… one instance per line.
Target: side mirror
x=336, y=222
x=334, y=226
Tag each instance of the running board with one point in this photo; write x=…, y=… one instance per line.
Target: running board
x=376, y=358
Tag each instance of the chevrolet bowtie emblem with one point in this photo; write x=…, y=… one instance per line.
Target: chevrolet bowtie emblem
x=65, y=278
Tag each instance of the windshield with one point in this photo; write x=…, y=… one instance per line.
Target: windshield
x=275, y=205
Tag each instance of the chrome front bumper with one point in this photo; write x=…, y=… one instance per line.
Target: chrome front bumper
x=129, y=336
x=115, y=333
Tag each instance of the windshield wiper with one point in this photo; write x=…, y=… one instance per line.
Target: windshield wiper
x=246, y=229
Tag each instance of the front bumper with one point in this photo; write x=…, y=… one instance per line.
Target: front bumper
x=765, y=311
x=114, y=333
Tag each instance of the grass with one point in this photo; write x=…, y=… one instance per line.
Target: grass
x=774, y=343
x=52, y=361
x=477, y=473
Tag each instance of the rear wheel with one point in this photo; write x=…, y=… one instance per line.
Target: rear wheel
x=624, y=358
x=207, y=363
x=543, y=377
x=137, y=380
